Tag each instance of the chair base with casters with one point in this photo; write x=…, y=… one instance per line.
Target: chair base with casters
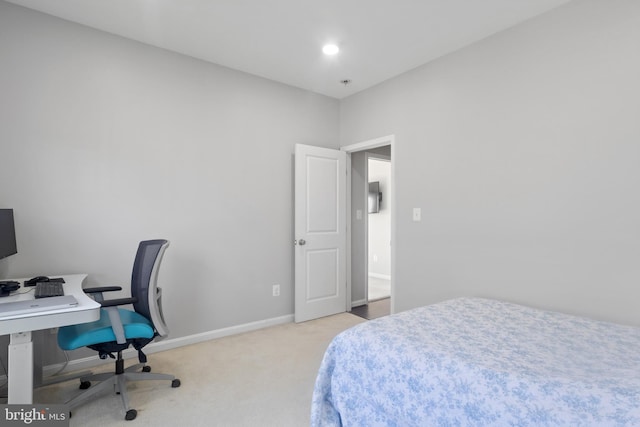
x=117, y=382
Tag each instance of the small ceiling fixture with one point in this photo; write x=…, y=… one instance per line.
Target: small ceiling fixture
x=345, y=81
x=330, y=49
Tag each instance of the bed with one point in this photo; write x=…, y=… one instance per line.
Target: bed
x=480, y=362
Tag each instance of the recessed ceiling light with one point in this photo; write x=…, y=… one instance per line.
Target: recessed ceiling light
x=330, y=49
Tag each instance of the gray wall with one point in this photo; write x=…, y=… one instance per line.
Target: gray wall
x=105, y=142
x=522, y=151
x=380, y=223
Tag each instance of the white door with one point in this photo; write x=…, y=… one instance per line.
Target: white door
x=320, y=232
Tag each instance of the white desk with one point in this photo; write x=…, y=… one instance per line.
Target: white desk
x=20, y=327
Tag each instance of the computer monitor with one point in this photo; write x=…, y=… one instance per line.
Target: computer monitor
x=7, y=234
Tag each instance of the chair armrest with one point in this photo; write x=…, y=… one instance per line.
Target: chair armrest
x=118, y=301
x=101, y=289
x=96, y=293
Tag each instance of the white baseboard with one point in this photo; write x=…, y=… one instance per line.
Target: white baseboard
x=168, y=344
x=358, y=303
x=380, y=276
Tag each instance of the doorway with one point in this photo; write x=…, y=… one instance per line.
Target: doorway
x=377, y=258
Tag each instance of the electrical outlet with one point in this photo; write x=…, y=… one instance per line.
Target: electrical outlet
x=276, y=290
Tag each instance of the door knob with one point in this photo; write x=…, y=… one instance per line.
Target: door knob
x=302, y=242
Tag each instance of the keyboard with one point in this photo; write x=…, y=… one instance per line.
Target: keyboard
x=33, y=306
x=49, y=289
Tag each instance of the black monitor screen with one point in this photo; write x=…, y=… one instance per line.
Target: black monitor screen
x=7, y=234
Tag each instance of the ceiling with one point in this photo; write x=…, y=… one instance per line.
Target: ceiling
x=282, y=40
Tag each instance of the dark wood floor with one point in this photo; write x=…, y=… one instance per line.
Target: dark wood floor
x=373, y=310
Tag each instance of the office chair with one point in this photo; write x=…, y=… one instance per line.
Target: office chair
x=119, y=328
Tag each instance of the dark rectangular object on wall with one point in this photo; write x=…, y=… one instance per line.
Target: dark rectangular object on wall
x=7, y=234
x=375, y=197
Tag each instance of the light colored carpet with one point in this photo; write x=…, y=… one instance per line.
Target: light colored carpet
x=260, y=378
x=379, y=288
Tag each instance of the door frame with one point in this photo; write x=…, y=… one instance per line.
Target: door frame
x=363, y=146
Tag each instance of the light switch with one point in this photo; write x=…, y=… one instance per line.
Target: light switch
x=359, y=214
x=417, y=214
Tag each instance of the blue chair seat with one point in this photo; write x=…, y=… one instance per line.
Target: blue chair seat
x=100, y=331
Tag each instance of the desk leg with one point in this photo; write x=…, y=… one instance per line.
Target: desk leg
x=20, y=369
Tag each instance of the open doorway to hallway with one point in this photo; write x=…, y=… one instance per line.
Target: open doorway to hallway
x=371, y=269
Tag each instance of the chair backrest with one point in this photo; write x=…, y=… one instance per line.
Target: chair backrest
x=144, y=284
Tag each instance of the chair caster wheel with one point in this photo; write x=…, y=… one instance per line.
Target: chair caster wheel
x=146, y=369
x=85, y=385
x=175, y=383
x=131, y=415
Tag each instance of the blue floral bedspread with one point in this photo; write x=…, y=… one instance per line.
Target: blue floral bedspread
x=480, y=362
